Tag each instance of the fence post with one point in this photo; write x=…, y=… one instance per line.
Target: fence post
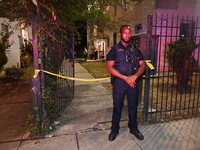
x=146, y=94
x=36, y=96
x=147, y=73
x=35, y=82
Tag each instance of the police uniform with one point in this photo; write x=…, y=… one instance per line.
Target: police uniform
x=126, y=62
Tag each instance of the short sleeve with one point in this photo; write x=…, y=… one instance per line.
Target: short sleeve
x=111, y=54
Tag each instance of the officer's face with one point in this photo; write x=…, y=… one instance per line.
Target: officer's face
x=125, y=34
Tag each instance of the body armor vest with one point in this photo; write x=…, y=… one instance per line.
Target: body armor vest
x=126, y=61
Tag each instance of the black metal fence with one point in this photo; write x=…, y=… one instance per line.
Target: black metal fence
x=172, y=90
x=51, y=93
x=58, y=59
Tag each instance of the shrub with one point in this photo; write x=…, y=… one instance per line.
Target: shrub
x=3, y=46
x=181, y=60
x=14, y=72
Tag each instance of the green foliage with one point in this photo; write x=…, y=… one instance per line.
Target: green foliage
x=67, y=11
x=3, y=46
x=48, y=104
x=36, y=125
x=181, y=60
x=28, y=72
x=31, y=125
x=14, y=72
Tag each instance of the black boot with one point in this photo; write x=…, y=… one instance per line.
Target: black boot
x=137, y=134
x=112, y=135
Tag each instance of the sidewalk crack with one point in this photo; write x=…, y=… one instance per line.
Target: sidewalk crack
x=77, y=141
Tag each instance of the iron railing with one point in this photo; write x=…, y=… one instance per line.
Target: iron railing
x=50, y=93
x=163, y=97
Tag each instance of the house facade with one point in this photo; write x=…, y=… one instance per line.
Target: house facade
x=18, y=35
x=176, y=18
x=171, y=19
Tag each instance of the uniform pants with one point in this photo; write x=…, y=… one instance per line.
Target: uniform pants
x=120, y=89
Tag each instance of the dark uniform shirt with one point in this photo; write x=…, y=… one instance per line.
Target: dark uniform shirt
x=126, y=58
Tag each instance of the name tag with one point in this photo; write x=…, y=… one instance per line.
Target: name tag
x=120, y=50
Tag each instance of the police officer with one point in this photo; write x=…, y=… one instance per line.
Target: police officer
x=126, y=64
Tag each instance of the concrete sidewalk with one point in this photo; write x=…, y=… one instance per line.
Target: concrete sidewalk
x=85, y=125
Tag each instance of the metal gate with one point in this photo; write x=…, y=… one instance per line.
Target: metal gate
x=51, y=93
x=166, y=93
x=58, y=58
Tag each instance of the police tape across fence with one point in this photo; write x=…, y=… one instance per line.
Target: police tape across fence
x=151, y=67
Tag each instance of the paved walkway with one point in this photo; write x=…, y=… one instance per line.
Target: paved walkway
x=85, y=125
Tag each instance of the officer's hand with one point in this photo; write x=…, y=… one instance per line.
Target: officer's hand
x=131, y=81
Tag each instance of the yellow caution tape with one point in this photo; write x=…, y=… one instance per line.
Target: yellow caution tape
x=70, y=78
x=78, y=79
x=149, y=64
x=36, y=73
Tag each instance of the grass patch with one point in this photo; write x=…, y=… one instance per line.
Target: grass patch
x=96, y=68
